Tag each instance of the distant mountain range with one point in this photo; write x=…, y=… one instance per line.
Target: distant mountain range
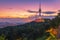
x=5, y=24
x=15, y=21
x=12, y=21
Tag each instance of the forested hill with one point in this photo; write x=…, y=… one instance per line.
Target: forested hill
x=32, y=29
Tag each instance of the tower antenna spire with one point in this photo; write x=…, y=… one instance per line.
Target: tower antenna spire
x=40, y=8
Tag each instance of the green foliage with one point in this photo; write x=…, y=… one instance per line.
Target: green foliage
x=2, y=37
x=55, y=22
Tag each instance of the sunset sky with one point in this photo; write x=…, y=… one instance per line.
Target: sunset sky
x=18, y=8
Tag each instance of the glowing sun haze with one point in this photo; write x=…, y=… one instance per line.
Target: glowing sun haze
x=18, y=8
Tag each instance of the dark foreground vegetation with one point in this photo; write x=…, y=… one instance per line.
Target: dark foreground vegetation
x=31, y=31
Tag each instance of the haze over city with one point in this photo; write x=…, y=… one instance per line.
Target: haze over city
x=16, y=10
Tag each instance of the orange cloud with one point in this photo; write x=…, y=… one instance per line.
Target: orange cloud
x=15, y=14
